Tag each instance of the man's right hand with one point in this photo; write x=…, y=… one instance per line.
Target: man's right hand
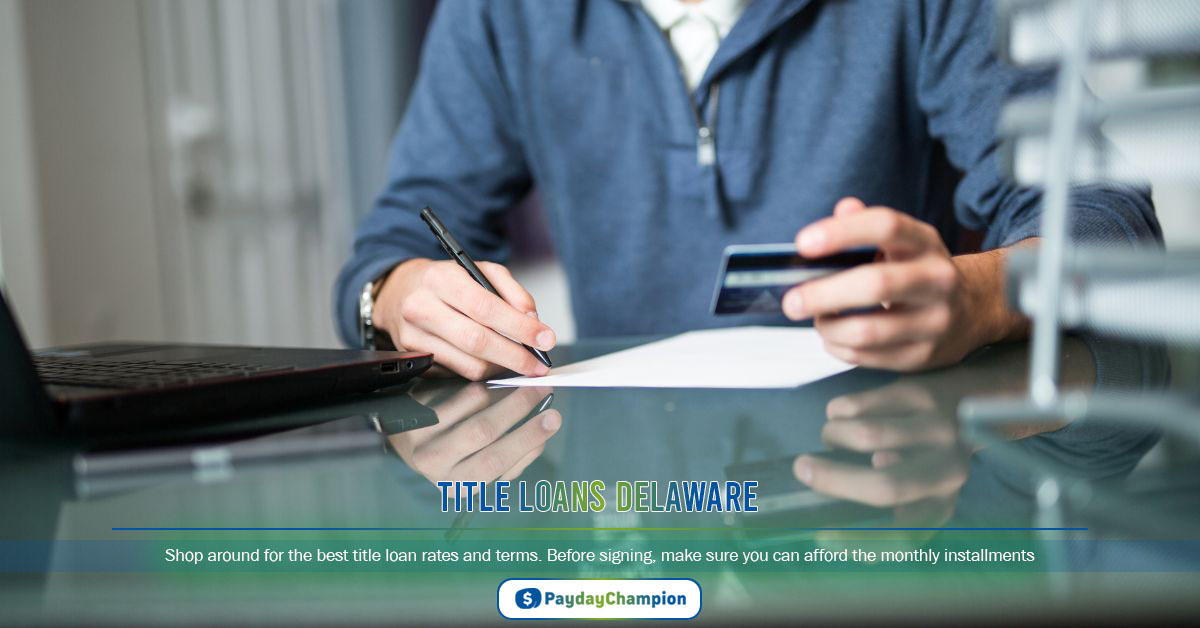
x=435, y=306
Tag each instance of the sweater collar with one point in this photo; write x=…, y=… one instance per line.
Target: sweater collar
x=759, y=20
x=762, y=17
x=668, y=13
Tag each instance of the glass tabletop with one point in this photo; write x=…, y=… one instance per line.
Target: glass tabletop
x=865, y=462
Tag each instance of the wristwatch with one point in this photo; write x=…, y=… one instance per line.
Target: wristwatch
x=368, y=336
x=366, y=307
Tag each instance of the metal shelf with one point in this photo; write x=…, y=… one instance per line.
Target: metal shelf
x=1157, y=132
x=1143, y=294
x=1034, y=32
x=1129, y=293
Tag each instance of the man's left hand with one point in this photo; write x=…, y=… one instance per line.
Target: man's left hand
x=935, y=308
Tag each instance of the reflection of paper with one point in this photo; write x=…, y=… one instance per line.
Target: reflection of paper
x=740, y=357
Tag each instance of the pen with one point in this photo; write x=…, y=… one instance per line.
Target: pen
x=460, y=522
x=456, y=251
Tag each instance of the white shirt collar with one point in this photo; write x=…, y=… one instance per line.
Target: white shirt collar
x=723, y=13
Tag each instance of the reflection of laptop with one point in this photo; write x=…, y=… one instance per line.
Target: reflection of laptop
x=104, y=385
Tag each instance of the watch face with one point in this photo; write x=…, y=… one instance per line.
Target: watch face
x=366, y=305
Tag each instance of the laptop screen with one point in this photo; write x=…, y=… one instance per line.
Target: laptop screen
x=23, y=406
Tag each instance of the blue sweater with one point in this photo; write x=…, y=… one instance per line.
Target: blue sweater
x=893, y=101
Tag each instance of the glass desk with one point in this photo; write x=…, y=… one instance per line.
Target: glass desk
x=1109, y=508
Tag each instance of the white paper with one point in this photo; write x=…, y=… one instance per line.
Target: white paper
x=738, y=357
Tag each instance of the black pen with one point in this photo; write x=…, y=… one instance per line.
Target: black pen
x=460, y=522
x=456, y=251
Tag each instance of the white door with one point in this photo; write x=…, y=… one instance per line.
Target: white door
x=250, y=167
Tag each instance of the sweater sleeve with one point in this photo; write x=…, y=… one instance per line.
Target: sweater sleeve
x=456, y=151
x=961, y=87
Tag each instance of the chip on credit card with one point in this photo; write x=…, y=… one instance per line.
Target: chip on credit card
x=754, y=277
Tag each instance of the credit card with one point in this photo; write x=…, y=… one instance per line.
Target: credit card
x=754, y=277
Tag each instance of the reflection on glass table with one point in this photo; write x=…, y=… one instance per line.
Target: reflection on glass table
x=917, y=461
x=885, y=451
x=482, y=434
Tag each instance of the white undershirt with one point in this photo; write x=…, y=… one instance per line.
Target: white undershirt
x=695, y=29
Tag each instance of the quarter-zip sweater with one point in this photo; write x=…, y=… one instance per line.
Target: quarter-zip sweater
x=804, y=102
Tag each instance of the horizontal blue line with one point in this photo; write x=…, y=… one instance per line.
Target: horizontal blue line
x=181, y=529
x=274, y=529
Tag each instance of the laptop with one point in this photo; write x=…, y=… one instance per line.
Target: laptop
x=100, y=386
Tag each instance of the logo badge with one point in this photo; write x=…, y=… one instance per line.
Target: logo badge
x=528, y=598
x=592, y=598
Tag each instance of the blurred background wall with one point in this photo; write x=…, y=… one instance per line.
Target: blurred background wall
x=193, y=169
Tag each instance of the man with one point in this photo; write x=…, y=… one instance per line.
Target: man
x=658, y=132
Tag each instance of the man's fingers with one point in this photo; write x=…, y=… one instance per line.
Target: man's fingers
x=884, y=459
x=489, y=424
x=898, y=399
x=926, y=513
x=428, y=391
x=900, y=483
x=879, y=433
x=469, y=329
x=478, y=340
x=889, y=230
x=903, y=358
x=887, y=328
x=919, y=280
x=518, y=467
x=463, y=403
x=478, y=431
x=855, y=483
x=494, y=460
x=456, y=288
x=848, y=205
x=473, y=368
x=509, y=288
x=923, y=513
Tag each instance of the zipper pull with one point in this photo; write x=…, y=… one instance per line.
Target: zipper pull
x=706, y=146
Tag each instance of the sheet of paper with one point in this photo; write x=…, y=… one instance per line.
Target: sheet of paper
x=738, y=357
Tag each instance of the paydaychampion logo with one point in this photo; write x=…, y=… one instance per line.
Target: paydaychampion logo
x=649, y=598
x=528, y=598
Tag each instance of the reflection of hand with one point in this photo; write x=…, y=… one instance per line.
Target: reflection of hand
x=918, y=459
x=918, y=463
x=913, y=457
x=472, y=441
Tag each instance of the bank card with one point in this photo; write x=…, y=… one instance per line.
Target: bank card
x=754, y=277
